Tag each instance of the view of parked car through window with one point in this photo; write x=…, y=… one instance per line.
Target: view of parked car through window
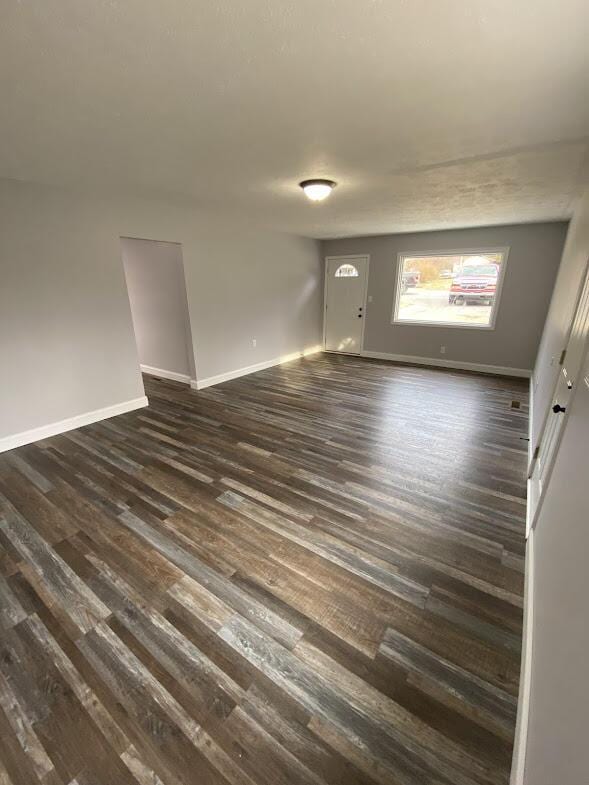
x=456, y=289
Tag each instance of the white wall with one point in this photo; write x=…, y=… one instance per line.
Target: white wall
x=562, y=305
x=552, y=747
x=159, y=306
x=66, y=335
x=557, y=750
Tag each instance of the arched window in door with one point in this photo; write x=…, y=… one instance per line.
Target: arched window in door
x=346, y=271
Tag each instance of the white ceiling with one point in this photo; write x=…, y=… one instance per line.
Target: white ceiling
x=429, y=113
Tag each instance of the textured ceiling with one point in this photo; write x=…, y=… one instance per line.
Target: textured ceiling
x=429, y=113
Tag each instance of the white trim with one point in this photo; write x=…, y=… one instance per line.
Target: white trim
x=55, y=428
x=172, y=375
x=497, y=370
x=462, y=252
x=199, y=384
x=531, y=459
x=525, y=682
x=328, y=259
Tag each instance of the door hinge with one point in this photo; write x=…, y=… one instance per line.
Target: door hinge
x=536, y=453
x=563, y=354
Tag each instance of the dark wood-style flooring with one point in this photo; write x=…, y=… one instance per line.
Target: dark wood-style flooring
x=309, y=575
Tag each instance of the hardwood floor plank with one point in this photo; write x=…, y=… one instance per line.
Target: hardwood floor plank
x=224, y=590
x=24, y=731
x=64, y=586
x=472, y=690
x=313, y=574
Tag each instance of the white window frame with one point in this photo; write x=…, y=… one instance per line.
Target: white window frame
x=402, y=255
x=355, y=274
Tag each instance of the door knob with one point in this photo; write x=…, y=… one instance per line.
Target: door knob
x=558, y=408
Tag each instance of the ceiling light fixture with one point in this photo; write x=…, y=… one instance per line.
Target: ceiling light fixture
x=317, y=190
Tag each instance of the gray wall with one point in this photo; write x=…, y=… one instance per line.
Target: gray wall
x=249, y=284
x=562, y=305
x=66, y=336
x=157, y=293
x=535, y=251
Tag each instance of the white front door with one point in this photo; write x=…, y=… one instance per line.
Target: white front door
x=568, y=379
x=346, y=279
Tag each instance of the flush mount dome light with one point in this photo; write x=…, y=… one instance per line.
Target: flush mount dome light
x=317, y=190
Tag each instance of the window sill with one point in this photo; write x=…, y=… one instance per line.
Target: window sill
x=411, y=323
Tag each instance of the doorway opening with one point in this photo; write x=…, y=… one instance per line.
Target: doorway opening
x=154, y=272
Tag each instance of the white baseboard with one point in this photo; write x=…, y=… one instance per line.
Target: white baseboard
x=525, y=682
x=172, y=375
x=199, y=384
x=497, y=370
x=55, y=428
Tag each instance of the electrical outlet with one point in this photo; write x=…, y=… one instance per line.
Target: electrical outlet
x=254, y=342
x=442, y=350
